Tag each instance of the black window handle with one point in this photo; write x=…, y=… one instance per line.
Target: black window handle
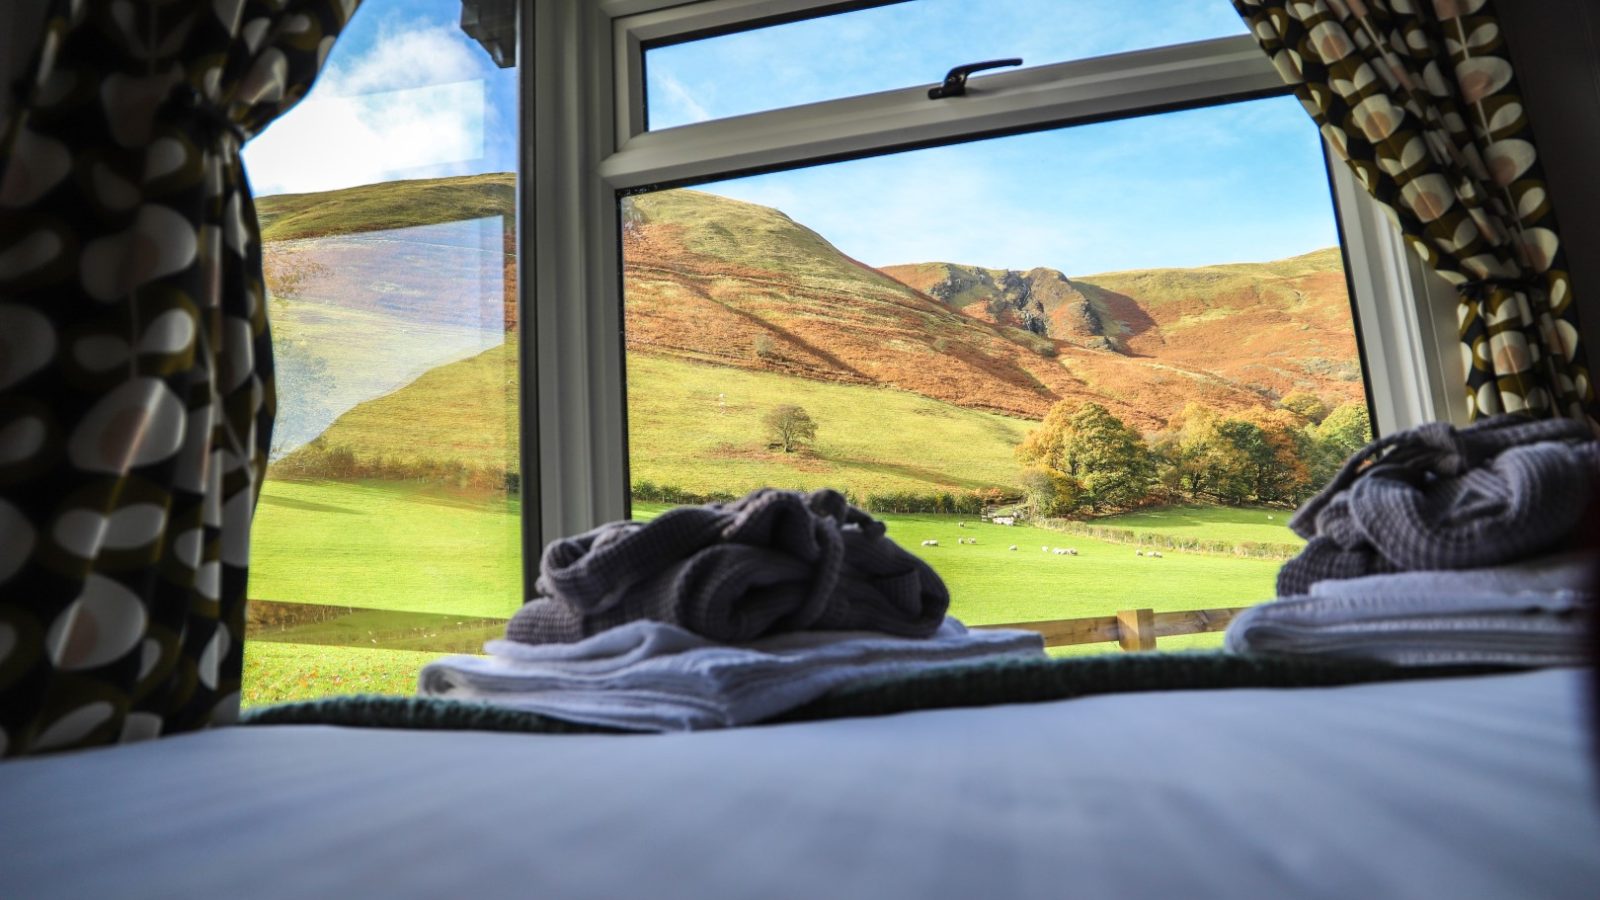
x=955, y=83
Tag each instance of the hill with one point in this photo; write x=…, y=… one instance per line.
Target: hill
x=697, y=427
x=743, y=285
x=715, y=281
x=1043, y=301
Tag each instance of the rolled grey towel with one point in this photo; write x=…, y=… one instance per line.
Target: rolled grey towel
x=773, y=561
x=1438, y=497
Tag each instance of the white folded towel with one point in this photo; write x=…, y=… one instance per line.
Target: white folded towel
x=651, y=676
x=1539, y=628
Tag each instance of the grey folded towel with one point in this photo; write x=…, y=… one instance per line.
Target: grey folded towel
x=651, y=676
x=1543, y=628
x=1573, y=571
x=774, y=561
x=1438, y=497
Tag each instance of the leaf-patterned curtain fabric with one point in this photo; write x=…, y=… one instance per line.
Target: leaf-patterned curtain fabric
x=1420, y=98
x=136, y=394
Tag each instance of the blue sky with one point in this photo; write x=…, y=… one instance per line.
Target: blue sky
x=407, y=95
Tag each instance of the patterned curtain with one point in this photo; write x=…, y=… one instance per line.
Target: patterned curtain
x=1420, y=98
x=136, y=393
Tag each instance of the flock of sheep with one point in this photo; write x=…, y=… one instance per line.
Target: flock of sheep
x=1058, y=551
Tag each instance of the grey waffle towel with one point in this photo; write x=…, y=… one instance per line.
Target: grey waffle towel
x=1438, y=497
x=1542, y=628
x=774, y=561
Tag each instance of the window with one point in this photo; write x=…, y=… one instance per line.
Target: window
x=388, y=526
x=890, y=46
x=644, y=402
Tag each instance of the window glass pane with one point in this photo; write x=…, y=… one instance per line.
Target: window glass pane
x=1124, y=338
x=905, y=44
x=387, y=531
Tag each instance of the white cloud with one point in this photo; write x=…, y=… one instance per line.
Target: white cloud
x=682, y=107
x=413, y=106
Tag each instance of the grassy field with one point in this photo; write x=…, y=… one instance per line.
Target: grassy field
x=276, y=673
x=394, y=549
x=1212, y=523
x=680, y=433
x=386, y=546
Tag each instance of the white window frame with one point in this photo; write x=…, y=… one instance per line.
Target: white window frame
x=584, y=96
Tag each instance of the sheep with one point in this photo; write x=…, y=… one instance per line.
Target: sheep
x=1072, y=551
x=1138, y=553
x=961, y=524
x=1269, y=517
x=930, y=543
x=1155, y=553
x=1013, y=546
x=1044, y=549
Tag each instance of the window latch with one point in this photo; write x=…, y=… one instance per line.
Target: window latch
x=955, y=83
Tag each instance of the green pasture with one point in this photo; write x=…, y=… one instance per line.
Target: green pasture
x=382, y=545
x=277, y=673
x=698, y=427
x=392, y=549
x=1210, y=523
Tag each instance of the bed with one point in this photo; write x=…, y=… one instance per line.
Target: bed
x=1458, y=787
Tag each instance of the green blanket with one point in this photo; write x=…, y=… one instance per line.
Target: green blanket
x=1002, y=680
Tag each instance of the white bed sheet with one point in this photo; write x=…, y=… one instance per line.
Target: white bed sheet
x=1455, y=788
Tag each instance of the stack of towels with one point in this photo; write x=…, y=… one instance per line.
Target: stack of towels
x=1441, y=545
x=718, y=615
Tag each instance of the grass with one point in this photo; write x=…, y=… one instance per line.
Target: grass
x=1213, y=523
x=391, y=204
x=386, y=546
x=991, y=584
x=394, y=549
x=680, y=433
x=365, y=353
x=277, y=673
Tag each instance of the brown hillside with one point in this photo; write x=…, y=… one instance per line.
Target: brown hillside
x=1280, y=326
x=740, y=284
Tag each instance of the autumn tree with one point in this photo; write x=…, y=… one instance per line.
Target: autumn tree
x=1276, y=456
x=790, y=426
x=1306, y=405
x=1093, y=449
x=1345, y=430
x=1050, y=493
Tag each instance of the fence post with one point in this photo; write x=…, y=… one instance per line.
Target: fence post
x=1136, y=629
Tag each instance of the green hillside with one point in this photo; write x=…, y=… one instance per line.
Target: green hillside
x=391, y=204
x=682, y=434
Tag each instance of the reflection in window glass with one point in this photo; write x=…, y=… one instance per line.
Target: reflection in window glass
x=905, y=44
x=387, y=531
x=1121, y=340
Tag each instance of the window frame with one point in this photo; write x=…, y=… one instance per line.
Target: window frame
x=586, y=146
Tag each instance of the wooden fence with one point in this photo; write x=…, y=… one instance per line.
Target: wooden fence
x=1132, y=629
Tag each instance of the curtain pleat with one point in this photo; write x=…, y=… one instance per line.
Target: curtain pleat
x=136, y=389
x=1420, y=98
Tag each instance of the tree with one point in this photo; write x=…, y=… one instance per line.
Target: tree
x=1345, y=430
x=1306, y=405
x=1050, y=493
x=791, y=426
x=1094, y=449
x=1276, y=456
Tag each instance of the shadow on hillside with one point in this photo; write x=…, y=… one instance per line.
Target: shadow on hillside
x=306, y=505
x=916, y=473
x=792, y=338
x=1124, y=310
